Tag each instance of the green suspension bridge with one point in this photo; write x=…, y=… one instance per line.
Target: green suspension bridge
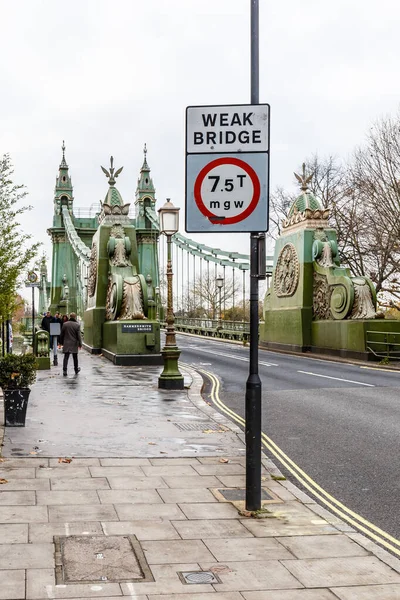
x=199, y=305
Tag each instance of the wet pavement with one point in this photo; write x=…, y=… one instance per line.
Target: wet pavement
x=117, y=489
x=113, y=411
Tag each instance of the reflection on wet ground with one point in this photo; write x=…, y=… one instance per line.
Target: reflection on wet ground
x=109, y=411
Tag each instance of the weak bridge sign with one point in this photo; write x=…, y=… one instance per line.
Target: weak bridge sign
x=227, y=160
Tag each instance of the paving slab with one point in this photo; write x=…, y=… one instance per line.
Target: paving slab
x=119, y=471
x=66, y=497
x=209, y=510
x=214, y=596
x=40, y=584
x=322, y=546
x=12, y=585
x=319, y=594
x=192, y=482
x=124, y=462
x=247, y=549
x=13, y=533
x=45, y=532
x=368, y=592
x=10, y=473
x=292, y=518
x=136, y=483
x=329, y=572
x=16, y=498
x=175, y=551
x=23, y=514
x=219, y=469
x=129, y=497
x=26, y=556
x=143, y=530
x=127, y=512
x=75, y=461
x=25, y=485
x=82, y=512
x=67, y=484
x=253, y=575
x=190, y=495
x=195, y=530
x=69, y=473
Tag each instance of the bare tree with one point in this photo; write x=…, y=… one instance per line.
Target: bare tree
x=375, y=177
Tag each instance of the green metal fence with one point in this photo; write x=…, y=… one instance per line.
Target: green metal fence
x=383, y=344
x=228, y=330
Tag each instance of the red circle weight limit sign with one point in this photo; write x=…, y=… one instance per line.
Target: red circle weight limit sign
x=227, y=190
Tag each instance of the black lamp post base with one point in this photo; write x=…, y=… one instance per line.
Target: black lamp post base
x=170, y=384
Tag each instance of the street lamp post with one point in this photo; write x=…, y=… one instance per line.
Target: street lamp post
x=171, y=378
x=220, y=282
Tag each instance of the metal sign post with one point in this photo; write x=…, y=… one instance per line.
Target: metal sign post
x=253, y=384
x=227, y=190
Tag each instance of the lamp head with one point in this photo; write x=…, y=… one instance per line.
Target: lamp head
x=169, y=218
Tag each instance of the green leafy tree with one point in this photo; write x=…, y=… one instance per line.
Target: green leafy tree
x=16, y=249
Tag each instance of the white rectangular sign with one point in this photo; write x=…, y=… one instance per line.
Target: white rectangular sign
x=231, y=128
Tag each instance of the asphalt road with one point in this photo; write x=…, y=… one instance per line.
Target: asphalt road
x=340, y=422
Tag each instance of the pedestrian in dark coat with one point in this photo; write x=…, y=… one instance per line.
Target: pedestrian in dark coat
x=71, y=340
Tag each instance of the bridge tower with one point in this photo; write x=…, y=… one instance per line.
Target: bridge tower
x=147, y=229
x=66, y=288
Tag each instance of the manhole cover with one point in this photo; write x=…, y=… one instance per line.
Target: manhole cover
x=193, y=577
x=235, y=495
x=193, y=426
x=91, y=559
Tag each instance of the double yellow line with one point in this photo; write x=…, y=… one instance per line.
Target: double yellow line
x=346, y=514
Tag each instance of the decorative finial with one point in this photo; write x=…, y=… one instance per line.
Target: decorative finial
x=303, y=179
x=63, y=164
x=145, y=151
x=110, y=174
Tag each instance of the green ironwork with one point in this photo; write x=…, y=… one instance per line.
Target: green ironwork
x=384, y=344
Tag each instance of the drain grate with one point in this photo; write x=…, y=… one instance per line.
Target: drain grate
x=193, y=426
x=193, y=577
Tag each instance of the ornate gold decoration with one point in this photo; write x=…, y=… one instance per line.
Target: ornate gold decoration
x=321, y=297
x=92, y=278
x=287, y=271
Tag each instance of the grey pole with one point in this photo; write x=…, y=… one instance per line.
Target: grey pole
x=253, y=384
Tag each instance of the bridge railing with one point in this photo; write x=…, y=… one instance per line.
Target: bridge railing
x=229, y=330
x=383, y=344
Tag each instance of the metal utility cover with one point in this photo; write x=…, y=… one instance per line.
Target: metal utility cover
x=198, y=577
x=94, y=559
x=235, y=494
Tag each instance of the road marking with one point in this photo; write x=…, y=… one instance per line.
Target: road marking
x=356, y=520
x=337, y=378
x=243, y=358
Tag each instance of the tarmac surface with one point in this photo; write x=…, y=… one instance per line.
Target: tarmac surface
x=117, y=489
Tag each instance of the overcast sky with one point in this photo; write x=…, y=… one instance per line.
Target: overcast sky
x=109, y=76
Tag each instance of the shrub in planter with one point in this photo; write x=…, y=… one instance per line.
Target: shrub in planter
x=17, y=372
